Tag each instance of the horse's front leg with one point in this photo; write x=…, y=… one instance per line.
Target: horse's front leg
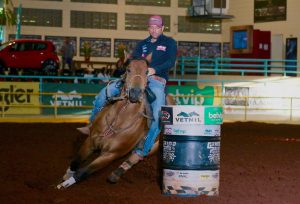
x=85, y=151
x=100, y=162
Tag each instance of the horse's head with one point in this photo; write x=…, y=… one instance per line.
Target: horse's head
x=136, y=79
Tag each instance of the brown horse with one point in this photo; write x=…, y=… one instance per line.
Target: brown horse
x=117, y=129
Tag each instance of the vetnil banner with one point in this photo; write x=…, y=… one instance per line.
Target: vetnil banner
x=69, y=98
x=207, y=115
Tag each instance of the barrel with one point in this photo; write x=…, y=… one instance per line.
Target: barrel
x=191, y=150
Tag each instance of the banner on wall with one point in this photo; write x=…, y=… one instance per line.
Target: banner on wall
x=100, y=47
x=269, y=10
x=23, y=94
x=259, y=99
x=64, y=96
x=58, y=42
x=192, y=95
x=188, y=49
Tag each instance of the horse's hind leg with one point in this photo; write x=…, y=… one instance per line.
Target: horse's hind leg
x=132, y=160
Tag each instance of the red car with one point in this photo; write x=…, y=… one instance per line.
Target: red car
x=29, y=54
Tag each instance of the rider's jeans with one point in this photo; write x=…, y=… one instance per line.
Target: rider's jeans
x=101, y=98
x=158, y=88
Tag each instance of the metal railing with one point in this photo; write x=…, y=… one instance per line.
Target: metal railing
x=235, y=66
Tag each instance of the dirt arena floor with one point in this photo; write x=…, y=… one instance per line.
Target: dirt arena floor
x=260, y=164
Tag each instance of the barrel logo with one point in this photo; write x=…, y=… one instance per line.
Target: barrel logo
x=169, y=173
x=190, y=117
x=166, y=115
x=213, y=115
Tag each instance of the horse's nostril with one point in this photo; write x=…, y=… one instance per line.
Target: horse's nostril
x=134, y=94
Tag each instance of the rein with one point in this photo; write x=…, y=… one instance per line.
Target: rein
x=125, y=95
x=112, y=130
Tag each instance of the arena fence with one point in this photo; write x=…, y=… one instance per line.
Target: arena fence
x=70, y=98
x=236, y=108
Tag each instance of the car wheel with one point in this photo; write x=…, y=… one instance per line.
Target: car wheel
x=50, y=67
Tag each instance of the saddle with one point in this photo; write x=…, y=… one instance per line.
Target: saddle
x=150, y=95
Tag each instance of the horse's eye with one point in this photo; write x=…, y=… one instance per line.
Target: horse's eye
x=128, y=70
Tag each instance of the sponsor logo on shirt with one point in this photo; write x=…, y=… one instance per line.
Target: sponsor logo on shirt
x=161, y=47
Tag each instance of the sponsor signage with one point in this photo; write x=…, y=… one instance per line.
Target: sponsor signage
x=69, y=98
x=22, y=94
x=210, y=115
x=213, y=115
x=193, y=130
x=194, y=176
x=192, y=95
x=191, y=182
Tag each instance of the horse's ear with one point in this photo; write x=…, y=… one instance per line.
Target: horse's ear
x=127, y=58
x=126, y=55
x=149, y=57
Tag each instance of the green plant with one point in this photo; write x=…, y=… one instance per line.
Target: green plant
x=86, y=49
x=121, y=51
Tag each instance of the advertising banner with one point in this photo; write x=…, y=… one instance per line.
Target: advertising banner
x=192, y=95
x=207, y=115
x=23, y=94
x=193, y=130
x=269, y=10
x=191, y=182
x=69, y=98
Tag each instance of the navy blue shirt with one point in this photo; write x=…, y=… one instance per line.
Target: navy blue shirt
x=164, y=52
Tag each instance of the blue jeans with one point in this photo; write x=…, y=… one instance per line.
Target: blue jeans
x=158, y=88
x=101, y=98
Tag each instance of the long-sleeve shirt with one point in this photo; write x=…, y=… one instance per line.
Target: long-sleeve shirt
x=164, y=52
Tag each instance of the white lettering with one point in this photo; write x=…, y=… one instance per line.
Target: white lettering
x=215, y=115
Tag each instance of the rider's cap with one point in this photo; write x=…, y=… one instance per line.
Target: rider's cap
x=156, y=20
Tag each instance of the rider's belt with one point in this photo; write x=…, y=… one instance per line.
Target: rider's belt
x=162, y=80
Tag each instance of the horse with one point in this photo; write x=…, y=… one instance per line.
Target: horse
x=117, y=129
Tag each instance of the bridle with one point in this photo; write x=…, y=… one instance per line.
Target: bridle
x=128, y=86
x=129, y=89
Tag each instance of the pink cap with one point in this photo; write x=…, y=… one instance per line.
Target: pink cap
x=156, y=20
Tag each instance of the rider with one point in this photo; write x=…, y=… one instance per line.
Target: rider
x=163, y=50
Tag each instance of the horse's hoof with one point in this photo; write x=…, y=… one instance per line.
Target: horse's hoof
x=69, y=173
x=113, y=179
x=66, y=183
x=59, y=186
